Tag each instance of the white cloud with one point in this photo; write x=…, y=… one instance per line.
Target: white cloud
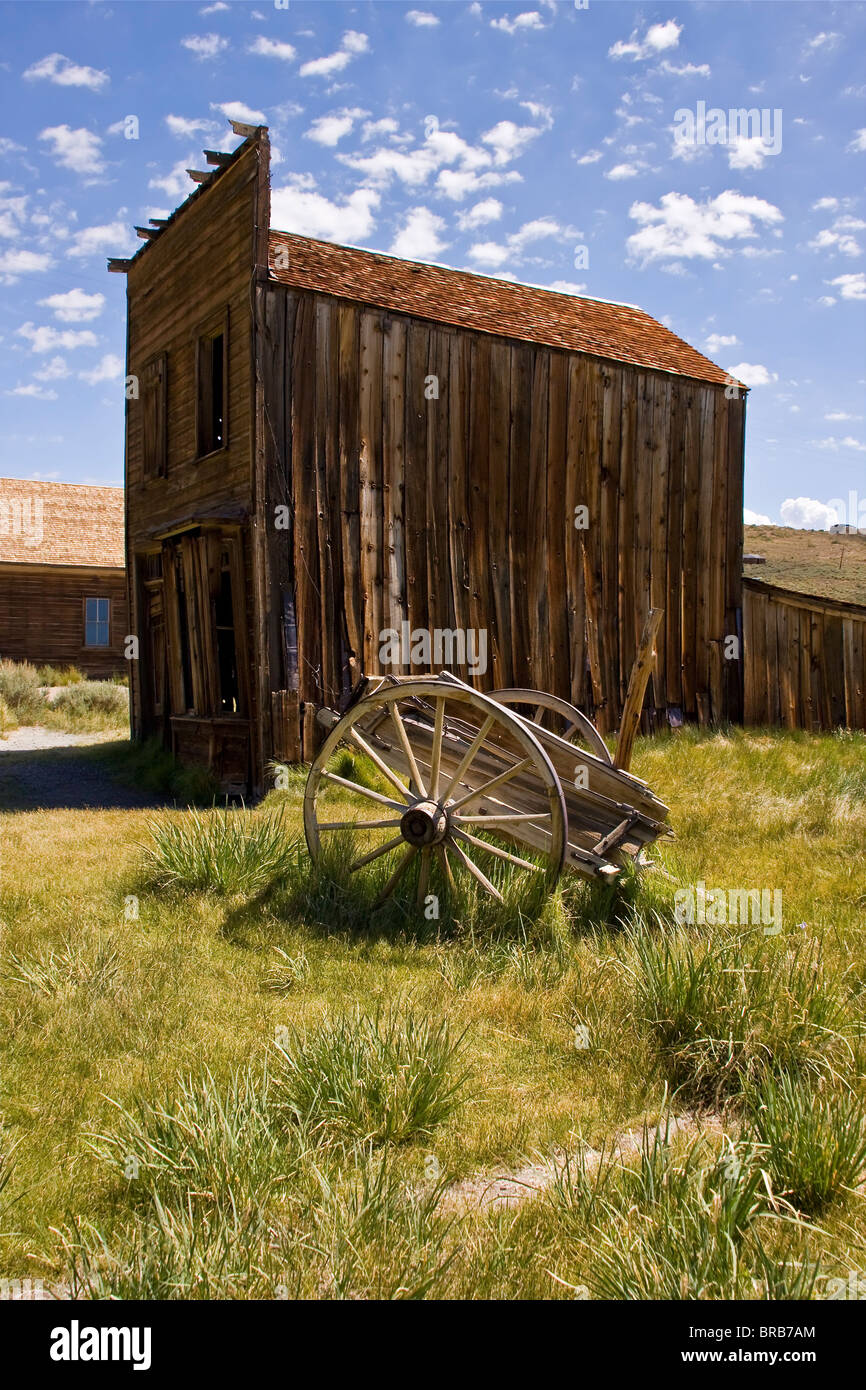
x=422, y=19
x=107, y=369
x=386, y=126
x=458, y=183
x=219, y=7
x=272, y=48
x=756, y=518
x=351, y=45
x=834, y=444
x=822, y=40
x=188, y=129
x=681, y=227
x=64, y=73
x=328, y=130
x=720, y=340
x=838, y=415
x=565, y=287
x=55, y=370
x=114, y=237
x=489, y=210
x=850, y=286
x=808, y=514
x=748, y=151
x=508, y=141
x=591, y=157
x=622, y=171
x=752, y=374
x=521, y=23
x=239, y=111
x=23, y=262
x=176, y=182
x=39, y=393
x=658, y=38
x=419, y=238
x=839, y=238
x=204, y=46
x=299, y=209
x=79, y=150
x=686, y=69
x=47, y=339
x=858, y=144
x=496, y=253
x=75, y=306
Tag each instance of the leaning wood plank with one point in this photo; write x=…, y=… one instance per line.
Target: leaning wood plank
x=640, y=674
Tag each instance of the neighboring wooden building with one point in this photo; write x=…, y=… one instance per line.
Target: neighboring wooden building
x=805, y=659
x=62, y=577
x=329, y=443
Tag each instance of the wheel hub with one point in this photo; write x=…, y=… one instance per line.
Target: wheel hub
x=425, y=823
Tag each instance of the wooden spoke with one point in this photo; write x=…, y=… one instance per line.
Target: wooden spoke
x=539, y=714
x=476, y=873
x=500, y=820
x=377, y=853
x=382, y=766
x=436, y=754
x=423, y=875
x=468, y=756
x=487, y=787
x=499, y=853
x=398, y=873
x=358, y=824
x=364, y=791
x=407, y=749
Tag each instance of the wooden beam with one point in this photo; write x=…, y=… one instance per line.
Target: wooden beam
x=147, y=233
x=158, y=221
x=118, y=265
x=217, y=157
x=241, y=128
x=640, y=674
x=200, y=175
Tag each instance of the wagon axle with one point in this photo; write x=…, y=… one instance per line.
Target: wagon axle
x=425, y=823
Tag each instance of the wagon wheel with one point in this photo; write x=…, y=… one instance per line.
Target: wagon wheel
x=453, y=762
x=567, y=720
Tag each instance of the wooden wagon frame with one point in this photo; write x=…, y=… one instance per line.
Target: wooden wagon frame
x=457, y=764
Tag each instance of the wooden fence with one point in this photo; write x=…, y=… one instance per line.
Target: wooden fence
x=804, y=659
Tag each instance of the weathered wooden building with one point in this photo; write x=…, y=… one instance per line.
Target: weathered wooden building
x=62, y=579
x=329, y=444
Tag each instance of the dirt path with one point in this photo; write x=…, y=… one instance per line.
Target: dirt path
x=46, y=769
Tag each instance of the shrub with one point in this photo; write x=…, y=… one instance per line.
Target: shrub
x=725, y=1013
x=812, y=1142
x=7, y=718
x=220, y=852
x=87, y=701
x=19, y=687
x=60, y=675
x=380, y=1077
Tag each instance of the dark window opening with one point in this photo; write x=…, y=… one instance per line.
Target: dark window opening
x=226, y=645
x=211, y=393
x=183, y=632
x=96, y=622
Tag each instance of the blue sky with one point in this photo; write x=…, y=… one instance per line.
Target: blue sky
x=493, y=137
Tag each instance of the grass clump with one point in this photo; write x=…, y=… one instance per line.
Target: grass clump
x=19, y=689
x=74, y=964
x=223, y=852
x=152, y=767
x=723, y=1014
x=812, y=1142
x=91, y=704
x=60, y=675
x=380, y=1077
x=7, y=718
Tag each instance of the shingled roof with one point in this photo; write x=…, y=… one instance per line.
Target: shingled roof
x=61, y=524
x=618, y=332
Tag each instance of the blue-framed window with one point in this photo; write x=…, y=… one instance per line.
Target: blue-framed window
x=96, y=624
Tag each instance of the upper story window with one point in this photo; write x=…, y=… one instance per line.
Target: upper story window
x=212, y=388
x=154, y=442
x=96, y=622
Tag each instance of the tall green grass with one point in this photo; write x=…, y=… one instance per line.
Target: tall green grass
x=813, y=1142
x=224, y=852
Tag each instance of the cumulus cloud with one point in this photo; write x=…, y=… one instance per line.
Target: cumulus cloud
x=352, y=45
x=422, y=19
x=55, y=370
x=204, y=46
x=680, y=227
x=330, y=129
x=112, y=237
x=79, y=150
x=808, y=514
x=858, y=144
x=14, y=263
x=48, y=339
x=591, y=157
x=756, y=518
x=272, y=48
x=75, y=306
x=488, y=210
x=39, y=393
x=850, y=286
x=658, y=39
x=107, y=369
x=521, y=23
x=565, y=287
x=299, y=208
x=64, y=73
x=239, y=111
x=496, y=254
x=185, y=128
x=752, y=374
x=720, y=340
x=834, y=444
x=622, y=171
x=419, y=238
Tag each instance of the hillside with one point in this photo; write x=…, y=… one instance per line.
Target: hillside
x=811, y=562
